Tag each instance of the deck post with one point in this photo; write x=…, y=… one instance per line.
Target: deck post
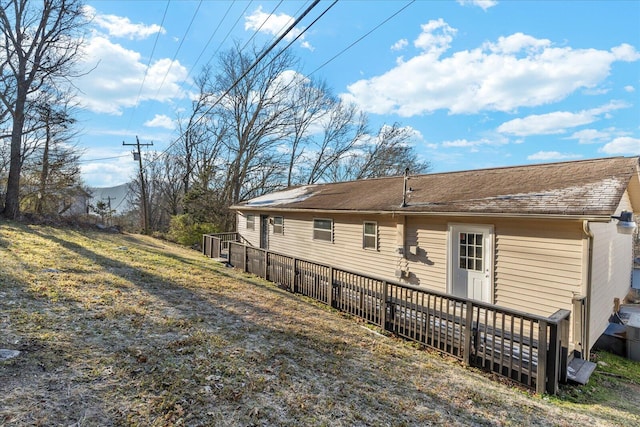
x=245, y=262
x=294, y=274
x=541, y=375
x=553, y=359
x=564, y=349
x=332, y=296
x=468, y=334
x=266, y=265
x=204, y=244
x=383, y=304
x=558, y=349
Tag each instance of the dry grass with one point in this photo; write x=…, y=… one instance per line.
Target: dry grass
x=127, y=330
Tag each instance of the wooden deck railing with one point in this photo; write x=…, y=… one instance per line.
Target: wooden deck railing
x=529, y=349
x=216, y=245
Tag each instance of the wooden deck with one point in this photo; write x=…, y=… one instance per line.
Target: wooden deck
x=529, y=349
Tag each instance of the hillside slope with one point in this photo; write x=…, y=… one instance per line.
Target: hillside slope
x=127, y=330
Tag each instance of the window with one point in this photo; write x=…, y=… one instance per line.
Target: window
x=323, y=229
x=278, y=223
x=471, y=251
x=370, y=235
x=251, y=222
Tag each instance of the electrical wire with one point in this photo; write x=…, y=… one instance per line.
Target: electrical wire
x=146, y=71
x=247, y=71
x=175, y=55
x=103, y=158
x=363, y=37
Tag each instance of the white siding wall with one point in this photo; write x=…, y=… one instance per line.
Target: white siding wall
x=611, y=275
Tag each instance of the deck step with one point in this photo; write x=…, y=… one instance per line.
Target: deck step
x=580, y=370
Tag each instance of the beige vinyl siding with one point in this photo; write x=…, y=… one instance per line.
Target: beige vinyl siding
x=429, y=266
x=253, y=236
x=345, y=251
x=538, y=265
x=611, y=274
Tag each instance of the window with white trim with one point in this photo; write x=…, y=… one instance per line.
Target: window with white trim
x=370, y=235
x=323, y=229
x=278, y=225
x=251, y=222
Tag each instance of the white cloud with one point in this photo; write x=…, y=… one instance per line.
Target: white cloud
x=161, y=120
x=484, y=4
x=515, y=71
x=400, y=44
x=306, y=45
x=436, y=37
x=590, y=136
x=120, y=26
x=557, y=122
x=109, y=173
x=117, y=74
x=273, y=24
x=629, y=89
x=464, y=143
x=623, y=145
x=552, y=155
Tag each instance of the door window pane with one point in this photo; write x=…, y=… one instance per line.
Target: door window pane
x=470, y=251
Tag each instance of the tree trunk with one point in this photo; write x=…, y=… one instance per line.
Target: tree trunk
x=12, y=197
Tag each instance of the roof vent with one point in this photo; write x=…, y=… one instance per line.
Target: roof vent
x=404, y=188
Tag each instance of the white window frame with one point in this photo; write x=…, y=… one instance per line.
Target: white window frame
x=276, y=225
x=322, y=230
x=374, y=235
x=251, y=222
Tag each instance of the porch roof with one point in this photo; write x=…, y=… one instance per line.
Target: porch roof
x=578, y=188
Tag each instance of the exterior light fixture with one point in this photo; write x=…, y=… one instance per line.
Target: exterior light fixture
x=626, y=224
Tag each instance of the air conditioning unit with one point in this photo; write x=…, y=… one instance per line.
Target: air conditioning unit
x=633, y=337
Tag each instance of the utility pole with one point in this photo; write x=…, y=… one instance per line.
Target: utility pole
x=137, y=155
x=109, y=199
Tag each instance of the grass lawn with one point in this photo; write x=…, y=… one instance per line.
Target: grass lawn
x=128, y=330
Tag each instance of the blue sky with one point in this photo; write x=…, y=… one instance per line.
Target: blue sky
x=481, y=83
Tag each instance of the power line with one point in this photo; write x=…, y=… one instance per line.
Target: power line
x=363, y=37
x=103, y=158
x=248, y=70
x=146, y=71
x=175, y=55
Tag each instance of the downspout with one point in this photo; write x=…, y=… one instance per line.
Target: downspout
x=586, y=332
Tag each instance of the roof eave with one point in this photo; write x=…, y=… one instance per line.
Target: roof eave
x=399, y=211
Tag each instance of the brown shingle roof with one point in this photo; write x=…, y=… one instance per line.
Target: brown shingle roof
x=587, y=187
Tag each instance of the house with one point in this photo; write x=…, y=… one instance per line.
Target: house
x=536, y=238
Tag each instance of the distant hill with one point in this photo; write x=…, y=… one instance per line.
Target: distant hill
x=119, y=197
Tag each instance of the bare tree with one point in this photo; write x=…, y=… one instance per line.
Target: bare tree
x=50, y=158
x=257, y=113
x=310, y=102
x=39, y=46
x=387, y=154
x=342, y=128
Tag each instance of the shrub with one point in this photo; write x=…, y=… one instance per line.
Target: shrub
x=185, y=230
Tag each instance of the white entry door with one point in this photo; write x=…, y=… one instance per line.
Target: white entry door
x=471, y=261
